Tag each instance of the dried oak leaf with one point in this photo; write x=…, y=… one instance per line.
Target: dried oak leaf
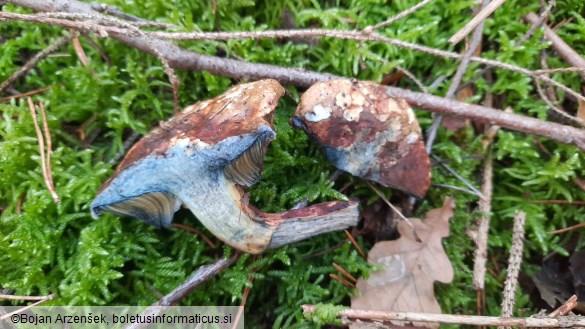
x=409, y=268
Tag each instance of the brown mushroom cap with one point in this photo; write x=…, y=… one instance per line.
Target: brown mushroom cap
x=366, y=133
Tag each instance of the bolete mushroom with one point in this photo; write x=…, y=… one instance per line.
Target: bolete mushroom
x=366, y=133
x=202, y=158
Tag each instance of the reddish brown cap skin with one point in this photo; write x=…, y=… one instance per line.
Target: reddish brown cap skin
x=240, y=110
x=367, y=133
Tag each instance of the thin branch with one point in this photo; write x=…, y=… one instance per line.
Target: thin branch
x=28, y=93
x=48, y=169
x=481, y=240
x=456, y=175
x=463, y=64
x=558, y=44
x=474, y=320
x=203, y=274
x=14, y=297
x=576, y=202
x=138, y=21
x=567, y=229
x=456, y=188
x=342, y=280
x=514, y=263
x=538, y=23
x=36, y=59
x=566, y=308
x=406, y=220
x=180, y=58
x=196, y=231
x=354, y=243
x=142, y=40
x=345, y=273
x=554, y=108
x=413, y=77
x=46, y=174
x=25, y=308
x=475, y=21
x=405, y=13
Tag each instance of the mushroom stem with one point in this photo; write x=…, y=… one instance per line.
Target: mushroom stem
x=243, y=227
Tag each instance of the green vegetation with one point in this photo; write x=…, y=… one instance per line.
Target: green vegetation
x=58, y=248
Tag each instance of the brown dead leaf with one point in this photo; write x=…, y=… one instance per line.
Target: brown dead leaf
x=409, y=268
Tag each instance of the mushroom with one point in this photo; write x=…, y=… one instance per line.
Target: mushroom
x=203, y=158
x=366, y=133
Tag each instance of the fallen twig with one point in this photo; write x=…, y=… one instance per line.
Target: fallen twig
x=406, y=220
x=397, y=17
x=196, y=231
x=45, y=156
x=28, y=307
x=200, y=276
x=514, y=263
x=355, y=244
x=127, y=33
x=481, y=238
x=566, y=308
x=28, y=93
x=463, y=64
x=474, y=320
x=15, y=297
x=179, y=58
x=475, y=21
x=36, y=59
x=558, y=44
x=567, y=229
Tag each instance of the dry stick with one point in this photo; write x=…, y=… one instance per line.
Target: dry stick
x=342, y=280
x=46, y=175
x=577, y=203
x=138, y=21
x=570, y=55
x=180, y=58
x=456, y=188
x=405, y=13
x=28, y=93
x=518, y=43
x=355, y=244
x=345, y=273
x=413, y=77
x=475, y=21
x=567, y=229
x=406, y=220
x=566, y=308
x=80, y=52
x=196, y=231
x=475, y=320
x=204, y=62
x=48, y=170
x=203, y=274
x=535, y=25
x=555, y=108
x=242, y=303
x=481, y=240
x=476, y=192
x=36, y=59
x=28, y=307
x=514, y=263
x=14, y=297
x=475, y=42
x=200, y=276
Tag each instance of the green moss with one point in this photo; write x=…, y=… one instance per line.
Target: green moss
x=58, y=248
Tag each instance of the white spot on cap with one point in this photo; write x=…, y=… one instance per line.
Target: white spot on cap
x=411, y=138
x=319, y=113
